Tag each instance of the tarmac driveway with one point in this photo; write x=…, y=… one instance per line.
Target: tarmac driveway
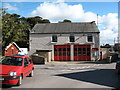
x=64, y=75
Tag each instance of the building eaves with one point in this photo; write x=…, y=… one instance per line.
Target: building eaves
x=65, y=28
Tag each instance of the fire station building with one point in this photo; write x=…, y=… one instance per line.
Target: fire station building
x=65, y=41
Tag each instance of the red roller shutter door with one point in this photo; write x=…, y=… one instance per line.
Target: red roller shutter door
x=82, y=53
x=62, y=53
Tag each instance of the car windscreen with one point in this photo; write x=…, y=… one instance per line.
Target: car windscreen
x=14, y=61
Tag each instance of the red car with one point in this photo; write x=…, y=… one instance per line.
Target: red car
x=14, y=68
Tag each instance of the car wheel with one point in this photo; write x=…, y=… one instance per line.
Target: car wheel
x=31, y=74
x=19, y=81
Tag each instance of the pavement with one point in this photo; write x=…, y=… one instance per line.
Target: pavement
x=73, y=75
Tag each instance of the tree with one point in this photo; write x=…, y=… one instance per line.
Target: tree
x=65, y=21
x=45, y=21
x=14, y=29
x=116, y=47
x=34, y=20
x=1, y=11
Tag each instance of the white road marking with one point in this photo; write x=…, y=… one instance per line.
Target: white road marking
x=81, y=68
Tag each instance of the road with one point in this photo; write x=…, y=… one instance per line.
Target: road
x=64, y=75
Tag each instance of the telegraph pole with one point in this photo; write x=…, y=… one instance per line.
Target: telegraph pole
x=114, y=41
x=97, y=19
x=119, y=22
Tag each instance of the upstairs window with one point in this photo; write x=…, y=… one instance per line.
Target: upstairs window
x=72, y=38
x=90, y=38
x=54, y=38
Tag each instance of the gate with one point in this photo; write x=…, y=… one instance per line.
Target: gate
x=61, y=52
x=82, y=53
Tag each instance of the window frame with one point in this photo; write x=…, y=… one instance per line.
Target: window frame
x=90, y=39
x=54, y=38
x=25, y=65
x=29, y=60
x=73, y=37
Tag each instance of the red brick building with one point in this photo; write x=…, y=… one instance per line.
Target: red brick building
x=12, y=48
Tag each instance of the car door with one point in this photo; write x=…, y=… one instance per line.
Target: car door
x=25, y=68
x=30, y=66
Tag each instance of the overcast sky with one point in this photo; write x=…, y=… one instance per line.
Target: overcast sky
x=104, y=13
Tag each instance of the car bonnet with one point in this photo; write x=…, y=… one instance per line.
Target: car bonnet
x=6, y=69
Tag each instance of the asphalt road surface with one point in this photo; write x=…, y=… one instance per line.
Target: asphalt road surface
x=64, y=75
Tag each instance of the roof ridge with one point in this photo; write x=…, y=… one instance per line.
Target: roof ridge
x=68, y=23
x=78, y=27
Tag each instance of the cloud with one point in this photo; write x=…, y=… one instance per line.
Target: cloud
x=108, y=28
x=58, y=11
x=110, y=21
x=107, y=36
x=10, y=7
x=65, y=0
x=60, y=1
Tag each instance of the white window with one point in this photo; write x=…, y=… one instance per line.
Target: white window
x=90, y=38
x=72, y=38
x=54, y=38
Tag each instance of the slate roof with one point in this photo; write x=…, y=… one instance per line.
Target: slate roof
x=64, y=28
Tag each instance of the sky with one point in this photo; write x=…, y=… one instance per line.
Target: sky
x=104, y=13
